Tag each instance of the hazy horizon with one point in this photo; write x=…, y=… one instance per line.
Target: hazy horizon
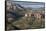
x=31, y=4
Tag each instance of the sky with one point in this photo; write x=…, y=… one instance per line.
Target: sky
x=31, y=4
